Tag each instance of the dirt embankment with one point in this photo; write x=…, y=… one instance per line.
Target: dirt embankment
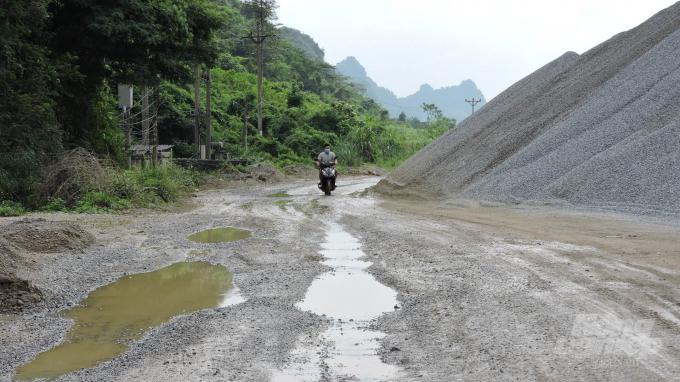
x=22, y=245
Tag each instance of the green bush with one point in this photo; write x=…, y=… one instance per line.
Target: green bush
x=158, y=182
x=56, y=205
x=290, y=159
x=10, y=208
x=100, y=202
x=150, y=186
x=182, y=149
x=267, y=145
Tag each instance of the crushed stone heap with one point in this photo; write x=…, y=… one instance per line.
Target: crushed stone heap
x=598, y=130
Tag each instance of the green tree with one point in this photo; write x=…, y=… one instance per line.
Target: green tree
x=263, y=11
x=126, y=41
x=433, y=112
x=31, y=78
x=402, y=117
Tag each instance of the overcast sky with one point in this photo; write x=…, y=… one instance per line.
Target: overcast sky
x=403, y=44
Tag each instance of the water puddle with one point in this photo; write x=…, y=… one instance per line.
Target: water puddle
x=352, y=297
x=113, y=315
x=282, y=194
x=219, y=235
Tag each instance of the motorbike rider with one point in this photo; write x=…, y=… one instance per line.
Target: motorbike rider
x=326, y=156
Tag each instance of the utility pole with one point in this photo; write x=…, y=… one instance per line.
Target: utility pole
x=155, y=127
x=245, y=125
x=126, y=102
x=473, y=103
x=197, y=108
x=145, y=116
x=128, y=139
x=208, y=143
x=259, y=40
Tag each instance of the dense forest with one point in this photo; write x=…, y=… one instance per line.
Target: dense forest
x=61, y=63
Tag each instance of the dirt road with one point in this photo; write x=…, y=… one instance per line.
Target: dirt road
x=479, y=292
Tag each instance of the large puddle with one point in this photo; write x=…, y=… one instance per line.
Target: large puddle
x=219, y=235
x=352, y=298
x=112, y=316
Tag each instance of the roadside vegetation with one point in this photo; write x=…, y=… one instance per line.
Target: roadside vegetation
x=79, y=182
x=61, y=63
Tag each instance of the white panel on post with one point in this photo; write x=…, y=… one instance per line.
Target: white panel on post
x=125, y=96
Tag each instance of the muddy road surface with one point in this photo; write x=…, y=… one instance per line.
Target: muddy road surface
x=353, y=287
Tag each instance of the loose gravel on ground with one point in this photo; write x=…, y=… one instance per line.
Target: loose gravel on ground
x=473, y=303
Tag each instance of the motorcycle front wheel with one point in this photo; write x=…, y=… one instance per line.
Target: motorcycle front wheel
x=328, y=187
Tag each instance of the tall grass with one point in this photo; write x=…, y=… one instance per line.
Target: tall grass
x=387, y=147
x=80, y=182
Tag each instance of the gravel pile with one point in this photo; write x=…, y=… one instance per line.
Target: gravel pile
x=265, y=172
x=16, y=293
x=42, y=236
x=596, y=130
x=301, y=170
x=23, y=244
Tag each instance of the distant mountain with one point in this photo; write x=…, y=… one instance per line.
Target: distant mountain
x=450, y=100
x=357, y=73
x=304, y=42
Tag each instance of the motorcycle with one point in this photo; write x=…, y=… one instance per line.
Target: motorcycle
x=327, y=183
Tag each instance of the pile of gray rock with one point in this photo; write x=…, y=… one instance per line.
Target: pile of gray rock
x=597, y=130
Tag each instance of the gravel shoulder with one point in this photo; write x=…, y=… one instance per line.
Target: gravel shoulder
x=498, y=293
x=485, y=292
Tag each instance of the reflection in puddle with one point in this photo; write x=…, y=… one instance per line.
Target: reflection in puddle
x=112, y=316
x=219, y=235
x=351, y=297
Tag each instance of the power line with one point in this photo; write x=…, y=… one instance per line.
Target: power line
x=399, y=106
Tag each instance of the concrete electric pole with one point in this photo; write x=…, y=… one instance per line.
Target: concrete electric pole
x=208, y=143
x=155, y=126
x=145, y=116
x=245, y=125
x=197, y=110
x=473, y=103
x=126, y=102
x=259, y=40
